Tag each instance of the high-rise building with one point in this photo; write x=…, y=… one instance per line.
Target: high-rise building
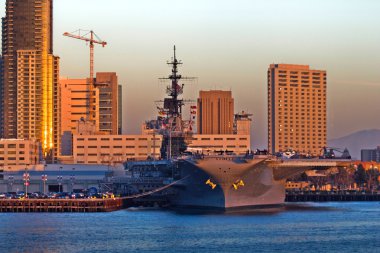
x=370, y=155
x=1, y=97
x=120, y=109
x=75, y=105
x=107, y=84
x=296, y=109
x=215, y=112
x=30, y=87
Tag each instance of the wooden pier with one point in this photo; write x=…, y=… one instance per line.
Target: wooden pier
x=60, y=205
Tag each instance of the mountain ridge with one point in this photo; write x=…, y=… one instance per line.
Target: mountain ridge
x=362, y=139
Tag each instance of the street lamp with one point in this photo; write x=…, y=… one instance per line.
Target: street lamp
x=26, y=178
x=72, y=180
x=59, y=179
x=44, y=178
x=11, y=180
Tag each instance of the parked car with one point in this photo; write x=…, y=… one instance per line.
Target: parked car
x=79, y=195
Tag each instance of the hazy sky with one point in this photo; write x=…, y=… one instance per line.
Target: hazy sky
x=229, y=45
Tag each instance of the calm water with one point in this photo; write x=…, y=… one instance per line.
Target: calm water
x=322, y=227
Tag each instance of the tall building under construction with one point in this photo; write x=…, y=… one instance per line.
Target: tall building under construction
x=106, y=114
x=296, y=109
x=215, y=112
x=30, y=104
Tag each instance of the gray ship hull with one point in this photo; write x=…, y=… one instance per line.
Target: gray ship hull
x=238, y=183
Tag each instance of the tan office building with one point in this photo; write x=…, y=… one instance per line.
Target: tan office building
x=238, y=144
x=215, y=112
x=30, y=88
x=296, y=109
x=18, y=152
x=111, y=149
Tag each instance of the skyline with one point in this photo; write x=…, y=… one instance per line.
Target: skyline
x=229, y=47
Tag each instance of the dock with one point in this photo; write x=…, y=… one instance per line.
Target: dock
x=331, y=196
x=60, y=205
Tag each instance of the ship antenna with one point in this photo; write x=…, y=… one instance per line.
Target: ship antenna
x=175, y=59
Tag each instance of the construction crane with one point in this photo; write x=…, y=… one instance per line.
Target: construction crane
x=91, y=38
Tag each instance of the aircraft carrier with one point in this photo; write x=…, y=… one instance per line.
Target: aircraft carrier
x=228, y=182
x=215, y=180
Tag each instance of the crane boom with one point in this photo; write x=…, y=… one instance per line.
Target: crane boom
x=103, y=43
x=91, y=40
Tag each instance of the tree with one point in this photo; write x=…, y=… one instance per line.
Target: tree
x=373, y=176
x=360, y=175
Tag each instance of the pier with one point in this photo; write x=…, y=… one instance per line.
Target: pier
x=61, y=205
x=325, y=196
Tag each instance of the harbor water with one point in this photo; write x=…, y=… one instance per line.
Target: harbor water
x=298, y=227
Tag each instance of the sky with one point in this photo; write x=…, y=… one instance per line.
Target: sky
x=229, y=45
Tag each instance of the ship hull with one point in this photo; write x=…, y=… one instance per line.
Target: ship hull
x=255, y=186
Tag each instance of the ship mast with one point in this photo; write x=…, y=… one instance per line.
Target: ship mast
x=172, y=107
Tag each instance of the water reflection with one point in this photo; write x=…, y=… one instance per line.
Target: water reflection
x=340, y=227
x=243, y=211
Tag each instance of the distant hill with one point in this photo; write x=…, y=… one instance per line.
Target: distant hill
x=366, y=139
